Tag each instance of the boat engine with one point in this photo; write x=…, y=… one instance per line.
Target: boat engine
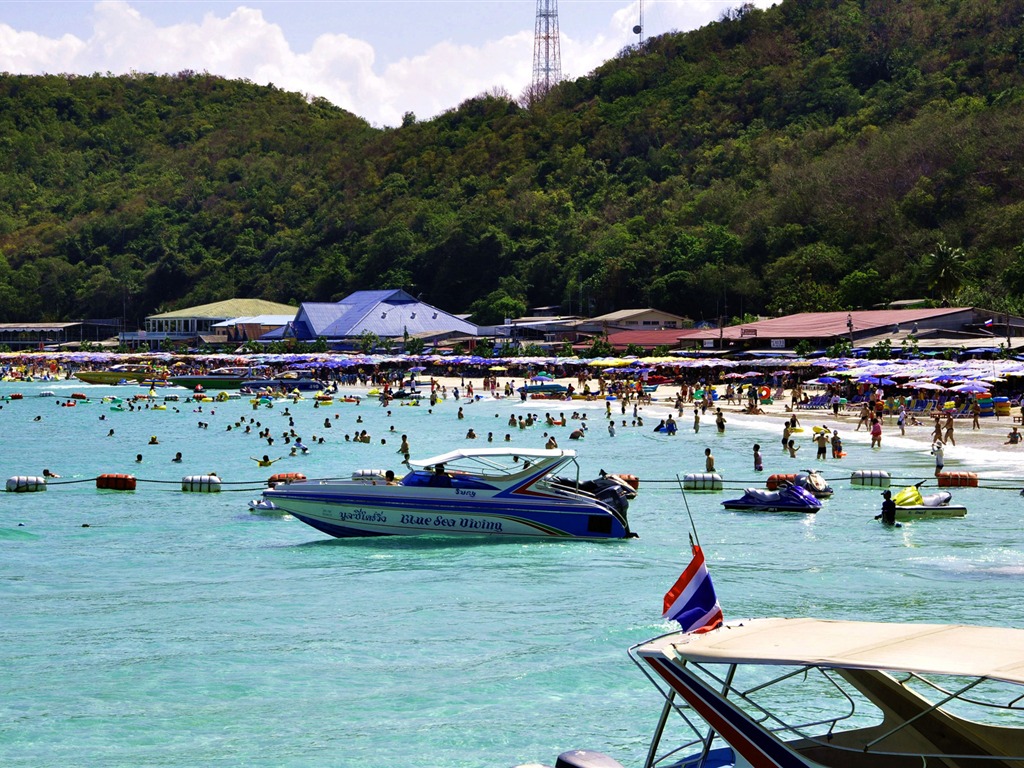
x=612, y=494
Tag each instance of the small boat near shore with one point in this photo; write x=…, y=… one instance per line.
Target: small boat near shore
x=219, y=378
x=126, y=372
x=816, y=693
x=288, y=381
x=487, y=491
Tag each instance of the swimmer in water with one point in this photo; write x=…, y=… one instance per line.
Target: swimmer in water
x=266, y=461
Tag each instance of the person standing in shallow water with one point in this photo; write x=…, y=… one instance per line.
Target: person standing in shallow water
x=888, y=513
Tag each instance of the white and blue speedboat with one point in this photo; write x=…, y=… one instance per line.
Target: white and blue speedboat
x=488, y=491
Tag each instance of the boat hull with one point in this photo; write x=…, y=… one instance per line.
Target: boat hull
x=926, y=513
x=740, y=507
x=443, y=514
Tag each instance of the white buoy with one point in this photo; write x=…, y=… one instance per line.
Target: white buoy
x=702, y=481
x=26, y=484
x=200, y=484
x=870, y=478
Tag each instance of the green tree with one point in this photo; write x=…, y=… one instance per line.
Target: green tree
x=945, y=269
x=368, y=342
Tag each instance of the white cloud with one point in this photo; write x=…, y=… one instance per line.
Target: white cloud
x=338, y=67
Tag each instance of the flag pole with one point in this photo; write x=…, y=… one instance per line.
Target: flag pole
x=688, y=514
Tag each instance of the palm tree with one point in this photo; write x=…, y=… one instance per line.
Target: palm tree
x=945, y=269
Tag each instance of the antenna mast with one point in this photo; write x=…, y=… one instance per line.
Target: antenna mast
x=638, y=29
x=547, y=50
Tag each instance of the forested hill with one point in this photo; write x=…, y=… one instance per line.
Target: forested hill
x=822, y=154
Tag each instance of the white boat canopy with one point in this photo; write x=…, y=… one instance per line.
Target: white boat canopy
x=996, y=653
x=492, y=456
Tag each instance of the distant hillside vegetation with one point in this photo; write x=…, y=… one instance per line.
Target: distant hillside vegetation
x=823, y=154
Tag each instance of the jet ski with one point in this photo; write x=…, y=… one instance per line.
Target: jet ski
x=788, y=498
x=912, y=505
x=812, y=481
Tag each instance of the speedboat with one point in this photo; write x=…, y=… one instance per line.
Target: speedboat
x=288, y=381
x=815, y=693
x=543, y=389
x=133, y=373
x=219, y=378
x=788, y=498
x=492, y=491
x=911, y=504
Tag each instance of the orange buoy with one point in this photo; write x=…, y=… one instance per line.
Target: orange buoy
x=69, y=404
x=285, y=478
x=774, y=481
x=78, y=396
x=116, y=482
x=958, y=479
x=16, y=396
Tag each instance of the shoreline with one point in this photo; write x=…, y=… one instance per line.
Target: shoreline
x=991, y=436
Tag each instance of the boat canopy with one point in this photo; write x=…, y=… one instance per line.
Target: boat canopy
x=996, y=653
x=493, y=460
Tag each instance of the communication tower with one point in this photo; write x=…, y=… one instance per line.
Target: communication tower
x=547, y=50
x=638, y=28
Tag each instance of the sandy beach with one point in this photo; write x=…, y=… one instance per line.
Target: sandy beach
x=991, y=434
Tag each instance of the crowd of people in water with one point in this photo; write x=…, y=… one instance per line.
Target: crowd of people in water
x=695, y=404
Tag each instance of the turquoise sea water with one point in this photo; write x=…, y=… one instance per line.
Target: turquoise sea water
x=182, y=630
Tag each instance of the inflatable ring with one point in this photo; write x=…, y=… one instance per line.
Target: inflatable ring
x=764, y=392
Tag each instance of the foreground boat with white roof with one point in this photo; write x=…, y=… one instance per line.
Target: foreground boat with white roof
x=813, y=693
x=491, y=491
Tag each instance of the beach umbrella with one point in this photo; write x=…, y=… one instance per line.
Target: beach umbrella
x=971, y=387
x=418, y=368
x=875, y=380
x=925, y=385
x=497, y=368
x=827, y=380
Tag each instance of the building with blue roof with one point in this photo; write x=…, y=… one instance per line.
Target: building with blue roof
x=390, y=314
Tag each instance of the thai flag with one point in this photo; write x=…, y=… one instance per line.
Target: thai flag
x=987, y=323
x=692, y=600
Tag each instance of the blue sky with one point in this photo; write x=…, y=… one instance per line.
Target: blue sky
x=376, y=58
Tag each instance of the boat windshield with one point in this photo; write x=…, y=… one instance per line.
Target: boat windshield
x=499, y=466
